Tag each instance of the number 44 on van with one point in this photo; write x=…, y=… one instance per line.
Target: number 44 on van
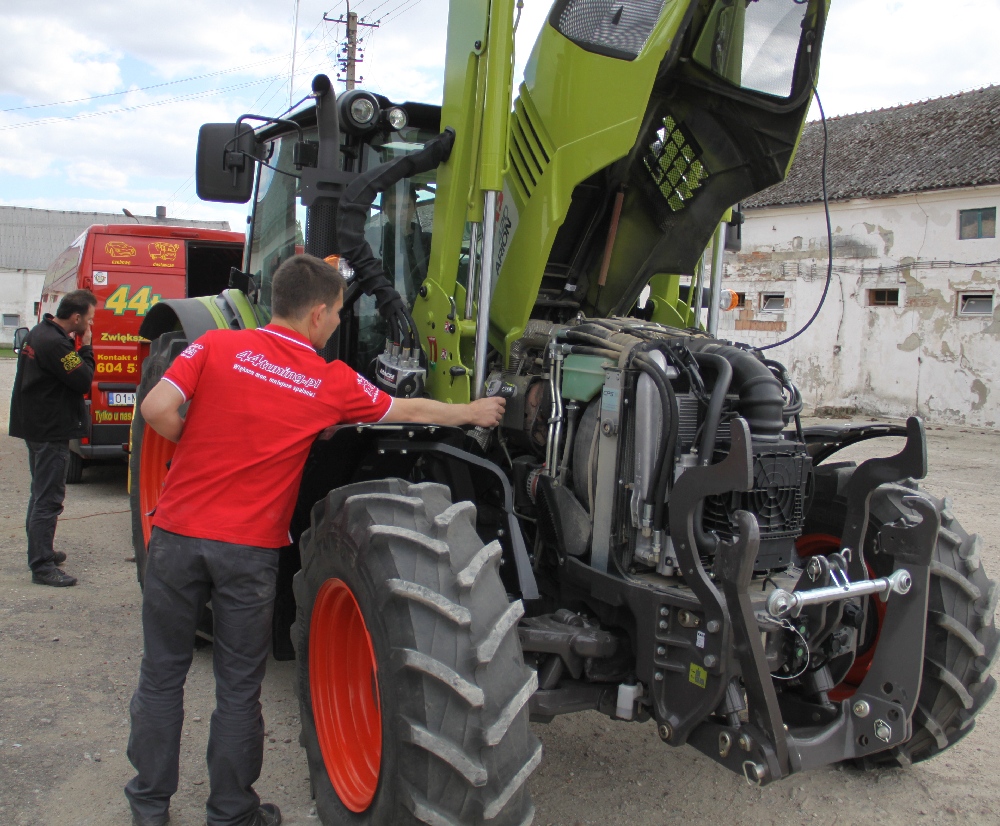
x=120, y=302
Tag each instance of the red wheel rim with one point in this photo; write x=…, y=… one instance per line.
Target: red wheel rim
x=155, y=453
x=823, y=543
x=343, y=682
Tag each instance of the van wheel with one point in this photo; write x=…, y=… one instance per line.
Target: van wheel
x=412, y=685
x=74, y=469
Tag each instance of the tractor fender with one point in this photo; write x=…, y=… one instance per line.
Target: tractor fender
x=352, y=453
x=230, y=309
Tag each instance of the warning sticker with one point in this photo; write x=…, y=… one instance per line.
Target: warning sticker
x=698, y=676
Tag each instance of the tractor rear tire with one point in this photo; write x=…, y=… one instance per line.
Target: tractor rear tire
x=962, y=640
x=148, y=470
x=411, y=680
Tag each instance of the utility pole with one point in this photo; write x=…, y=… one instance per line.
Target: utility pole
x=349, y=49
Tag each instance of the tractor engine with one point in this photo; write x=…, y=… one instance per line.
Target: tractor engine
x=677, y=391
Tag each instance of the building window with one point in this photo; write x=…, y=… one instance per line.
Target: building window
x=975, y=303
x=883, y=298
x=772, y=301
x=741, y=300
x=977, y=223
x=11, y=320
x=38, y=306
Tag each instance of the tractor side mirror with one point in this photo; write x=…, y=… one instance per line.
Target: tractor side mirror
x=224, y=166
x=20, y=334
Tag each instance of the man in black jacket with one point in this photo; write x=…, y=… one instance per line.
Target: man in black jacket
x=47, y=410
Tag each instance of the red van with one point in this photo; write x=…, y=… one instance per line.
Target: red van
x=130, y=267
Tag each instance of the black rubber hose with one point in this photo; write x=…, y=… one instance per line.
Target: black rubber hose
x=592, y=339
x=761, y=399
x=352, y=212
x=713, y=416
x=664, y=463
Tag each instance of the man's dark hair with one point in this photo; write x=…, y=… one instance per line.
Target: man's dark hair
x=78, y=301
x=301, y=283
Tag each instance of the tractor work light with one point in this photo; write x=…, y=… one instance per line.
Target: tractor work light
x=397, y=118
x=359, y=111
x=362, y=110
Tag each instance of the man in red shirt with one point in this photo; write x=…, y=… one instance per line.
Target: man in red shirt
x=258, y=398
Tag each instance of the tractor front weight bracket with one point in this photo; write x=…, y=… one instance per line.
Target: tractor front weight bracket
x=876, y=718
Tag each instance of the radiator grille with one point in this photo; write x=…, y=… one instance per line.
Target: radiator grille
x=673, y=163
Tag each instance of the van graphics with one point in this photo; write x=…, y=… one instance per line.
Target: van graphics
x=163, y=253
x=112, y=416
x=119, y=337
x=123, y=300
x=275, y=374
x=120, y=252
x=116, y=363
x=100, y=278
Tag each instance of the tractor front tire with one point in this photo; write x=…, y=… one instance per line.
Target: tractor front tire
x=962, y=640
x=411, y=680
x=149, y=452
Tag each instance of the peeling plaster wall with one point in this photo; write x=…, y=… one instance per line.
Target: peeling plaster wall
x=19, y=290
x=919, y=357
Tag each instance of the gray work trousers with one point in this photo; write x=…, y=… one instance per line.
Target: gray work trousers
x=182, y=574
x=47, y=462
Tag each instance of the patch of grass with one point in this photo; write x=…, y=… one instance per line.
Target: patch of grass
x=7, y=352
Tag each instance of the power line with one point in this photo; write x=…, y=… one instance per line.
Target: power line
x=391, y=15
x=165, y=102
x=147, y=88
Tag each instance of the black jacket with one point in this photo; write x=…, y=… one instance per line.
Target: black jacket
x=52, y=376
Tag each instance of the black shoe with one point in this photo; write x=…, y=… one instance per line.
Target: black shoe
x=55, y=578
x=159, y=820
x=267, y=815
x=59, y=557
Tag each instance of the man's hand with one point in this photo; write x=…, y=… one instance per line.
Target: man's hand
x=487, y=412
x=87, y=335
x=483, y=413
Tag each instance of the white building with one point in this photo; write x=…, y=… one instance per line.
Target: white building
x=30, y=240
x=911, y=323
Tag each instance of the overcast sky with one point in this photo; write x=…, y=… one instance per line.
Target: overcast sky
x=100, y=101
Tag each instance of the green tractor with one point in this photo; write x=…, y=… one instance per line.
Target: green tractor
x=650, y=532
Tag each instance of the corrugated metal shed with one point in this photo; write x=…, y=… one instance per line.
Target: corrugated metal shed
x=30, y=239
x=945, y=143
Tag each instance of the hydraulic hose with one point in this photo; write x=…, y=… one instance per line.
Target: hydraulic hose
x=353, y=209
x=668, y=403
x=723, y=379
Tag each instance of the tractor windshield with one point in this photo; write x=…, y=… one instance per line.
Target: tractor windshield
x=753, y=43
x=278, y=217
x=398, y=228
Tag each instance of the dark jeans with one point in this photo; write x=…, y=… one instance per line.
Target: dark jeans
x=47, y=462
x=182, y=573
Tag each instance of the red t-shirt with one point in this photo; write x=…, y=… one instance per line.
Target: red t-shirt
x=258, y=400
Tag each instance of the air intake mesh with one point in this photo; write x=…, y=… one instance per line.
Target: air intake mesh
x=617, y=27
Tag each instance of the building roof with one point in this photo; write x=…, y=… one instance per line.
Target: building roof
x=945, y=143
x=30, y=239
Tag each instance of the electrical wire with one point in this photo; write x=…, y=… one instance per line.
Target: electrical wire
x=146, y=88
x=829, y=232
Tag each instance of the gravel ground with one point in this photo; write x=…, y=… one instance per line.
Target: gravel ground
x=69, y=662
